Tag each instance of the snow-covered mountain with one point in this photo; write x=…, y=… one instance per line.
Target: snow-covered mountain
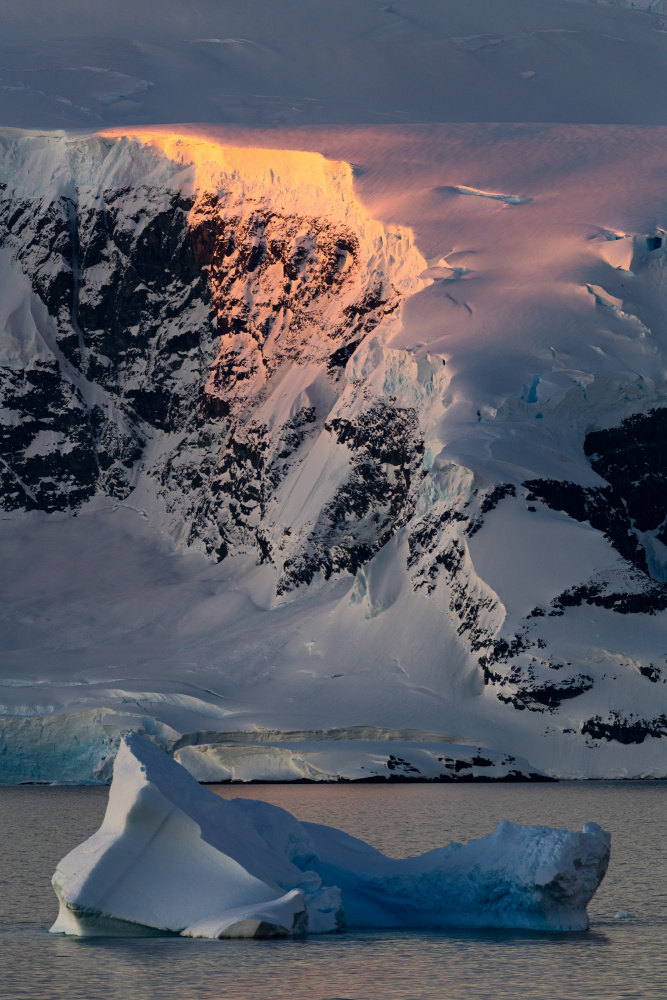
x=192, y=347
x=269, y=457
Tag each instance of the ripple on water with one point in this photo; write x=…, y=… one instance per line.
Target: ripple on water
x=619, y=959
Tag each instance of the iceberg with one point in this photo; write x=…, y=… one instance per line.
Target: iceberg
x=172, y=857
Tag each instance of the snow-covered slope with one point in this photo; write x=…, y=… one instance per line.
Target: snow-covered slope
x=271, y=460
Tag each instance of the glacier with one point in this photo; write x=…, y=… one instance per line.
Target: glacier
x=171, y=857
x=79, y=747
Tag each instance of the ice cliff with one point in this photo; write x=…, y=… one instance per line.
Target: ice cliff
x=172, y=857
x=350, y=760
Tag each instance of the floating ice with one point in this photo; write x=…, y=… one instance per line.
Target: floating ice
x=172, y=857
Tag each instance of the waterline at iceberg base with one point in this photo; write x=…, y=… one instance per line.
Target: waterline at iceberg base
x=172, y=857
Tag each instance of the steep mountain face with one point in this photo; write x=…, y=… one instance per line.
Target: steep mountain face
x=205, y=336
x=197, y=344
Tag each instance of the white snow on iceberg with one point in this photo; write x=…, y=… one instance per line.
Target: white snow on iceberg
x=172, y=857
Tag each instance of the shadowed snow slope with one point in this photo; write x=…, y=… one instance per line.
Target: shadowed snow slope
x=170, y=856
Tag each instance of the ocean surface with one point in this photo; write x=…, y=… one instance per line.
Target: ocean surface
x=618, y=959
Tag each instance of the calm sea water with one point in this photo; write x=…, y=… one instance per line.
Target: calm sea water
x=615, y=960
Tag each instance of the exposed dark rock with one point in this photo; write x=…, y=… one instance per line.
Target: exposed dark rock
x=633, y=458
x=548, y=695
x=212, y=407
x=48, y=452
x=488, y=501
x=516, y=669
x=602, y=507
x=341, y=357
x=649, y=601
x=398, y=764
x=654, y=674
x=426, y=536
x=373, y=503
x=139, y=304
x=491, y=500
x=511, y=777
x=625, y=729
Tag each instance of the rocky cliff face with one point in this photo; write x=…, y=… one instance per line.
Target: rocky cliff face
x=167, y=321
x=204, y=336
